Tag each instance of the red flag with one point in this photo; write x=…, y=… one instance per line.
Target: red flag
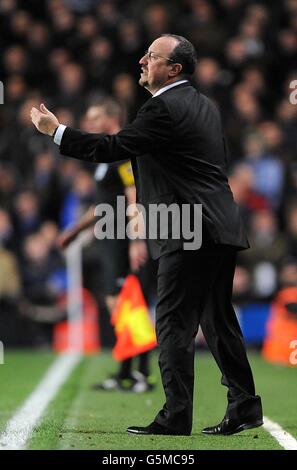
x=134, y=329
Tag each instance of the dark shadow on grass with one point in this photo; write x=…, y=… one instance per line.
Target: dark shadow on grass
x=87, y=431
x=97, y=432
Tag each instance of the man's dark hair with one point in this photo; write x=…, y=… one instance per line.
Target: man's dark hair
x=184, y=53
x=111, y=107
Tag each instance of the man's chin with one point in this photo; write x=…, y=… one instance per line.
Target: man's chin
x=143, y=82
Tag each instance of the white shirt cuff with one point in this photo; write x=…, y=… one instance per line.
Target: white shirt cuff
x=59, y=134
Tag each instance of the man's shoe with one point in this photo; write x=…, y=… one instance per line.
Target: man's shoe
x=152, y=429
x=231, y=426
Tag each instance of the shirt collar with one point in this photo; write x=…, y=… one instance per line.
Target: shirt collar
x=167, y=87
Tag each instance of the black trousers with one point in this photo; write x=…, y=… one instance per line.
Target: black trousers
x=195, y=287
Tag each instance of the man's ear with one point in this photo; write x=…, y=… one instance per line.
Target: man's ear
x=175, y=70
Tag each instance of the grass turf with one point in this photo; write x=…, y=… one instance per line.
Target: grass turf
x=278, y=385
x=80, y=418
x=19, y=375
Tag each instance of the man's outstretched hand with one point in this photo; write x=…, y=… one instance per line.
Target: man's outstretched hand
x=44, y=121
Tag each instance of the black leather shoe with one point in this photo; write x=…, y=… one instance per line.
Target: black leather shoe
x=231, y=426
x=153, y=428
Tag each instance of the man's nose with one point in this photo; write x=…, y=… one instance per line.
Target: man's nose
x=143, y=60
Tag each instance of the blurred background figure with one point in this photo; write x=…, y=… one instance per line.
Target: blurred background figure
x=41, y=287
x=111, y=260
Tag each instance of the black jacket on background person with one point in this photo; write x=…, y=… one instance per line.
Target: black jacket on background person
x=178, y=154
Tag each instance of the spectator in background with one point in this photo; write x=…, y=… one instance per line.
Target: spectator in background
x=57, y=58
x=7, y=235
x=242, y=118
x=41, y=286
x=213, y=81
x=8, y=187
x=242, y=285
x=268, y=170
x=273, y=137
x=79, y=6
x=49, y=232
x=235, y=54
x=100, y=62
x=10, y=290
x=78, y=199
x=20, y=142
x=231, y=12
x=15, y=61
x=156, y=20
x=291, y=226
x=124, y=91
x=71, y=80
x=109, y=15
x=250, y=32
x=87, y=30
x=15, y=90
x=46, y=184
x=20, y=25
x=287, y=49
x=253, y=81
x=288, y=273
x=287, y=119
x=130, y=44
x=27, y=217
x=9, y=278
x=38, y=42
x=202, y=28
x=242, y=184
x=63, y=23
x=7, y=7
x=268, y=249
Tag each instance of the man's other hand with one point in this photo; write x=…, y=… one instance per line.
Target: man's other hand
x=138, y=254
x=44, y=121
x=65, y=238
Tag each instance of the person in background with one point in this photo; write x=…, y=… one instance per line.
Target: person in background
x=117, y=257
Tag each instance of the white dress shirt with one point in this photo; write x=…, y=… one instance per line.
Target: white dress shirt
x=167, y=87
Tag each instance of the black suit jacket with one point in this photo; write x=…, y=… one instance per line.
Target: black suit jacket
x=178, y=154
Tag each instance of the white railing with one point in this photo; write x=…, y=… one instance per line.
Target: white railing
x=73, y=256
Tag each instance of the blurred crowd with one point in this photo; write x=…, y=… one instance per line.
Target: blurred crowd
x=68, y=53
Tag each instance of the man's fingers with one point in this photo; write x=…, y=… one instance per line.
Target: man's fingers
x=34, y=115
x=44, y=109
x=34, y=112
x=45, y=121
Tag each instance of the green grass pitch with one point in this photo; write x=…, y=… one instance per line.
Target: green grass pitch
x=80, y=418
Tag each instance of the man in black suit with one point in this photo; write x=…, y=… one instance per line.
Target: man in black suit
x=178, y=155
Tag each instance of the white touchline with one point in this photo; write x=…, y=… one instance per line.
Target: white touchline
x=284, y=439
x=20, y=426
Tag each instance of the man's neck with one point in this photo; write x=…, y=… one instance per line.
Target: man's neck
x=113, y=130
x=168, y=82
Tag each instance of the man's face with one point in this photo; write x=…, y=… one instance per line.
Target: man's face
x=155, y=68
x=96, y=119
